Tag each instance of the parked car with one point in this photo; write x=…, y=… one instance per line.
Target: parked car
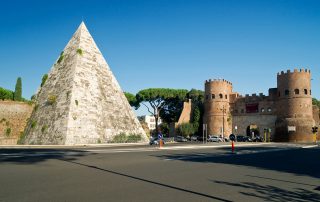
x=194, y=138
x=214, y=138
x=242, y=138
x=155, y=141
x=180, y=139
x=258, y=139
x=200, y=138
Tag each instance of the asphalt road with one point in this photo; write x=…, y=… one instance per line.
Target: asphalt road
x=267, y=172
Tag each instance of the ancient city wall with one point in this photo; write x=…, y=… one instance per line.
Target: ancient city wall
x=262, y=121
x=185, y=116
x=13, y=119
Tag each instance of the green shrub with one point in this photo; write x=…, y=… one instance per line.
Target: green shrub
x=7, y=123
x=33, y=97
x=52, y=99
x=33, y=124
x=61, y=57
x=36, y=107
x=21, y=138
x=99, y=141
x=79, y=51
x=44, y=79
x=6, y=94
x=133, y=138
x=120, y=138
x=29, y=102
x=68, y=94
x=77, y=102
x=44, y=128
x=123, y=138
x=8, y=132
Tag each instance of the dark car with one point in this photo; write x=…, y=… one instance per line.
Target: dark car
x=258, y=139
x=200, y=138
x=241, y=138
x=180, y=139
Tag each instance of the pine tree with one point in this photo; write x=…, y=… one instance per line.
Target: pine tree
x=18, y=90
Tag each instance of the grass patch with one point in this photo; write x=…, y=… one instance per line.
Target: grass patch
x=61, y=57
x=8, y=132
x=44, y=128
x=44, y=79
x=21, y=138
x=52, y=99
x=33, y=124
x=79, y=51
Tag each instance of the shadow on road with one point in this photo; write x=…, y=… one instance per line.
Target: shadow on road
x=272, y=193
x=32, y=156
x=147, y=181
x=295, y=161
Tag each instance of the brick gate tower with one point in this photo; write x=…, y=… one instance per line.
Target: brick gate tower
x=217, y=107
x=294, y=106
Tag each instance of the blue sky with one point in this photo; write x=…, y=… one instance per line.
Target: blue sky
x=166, y=43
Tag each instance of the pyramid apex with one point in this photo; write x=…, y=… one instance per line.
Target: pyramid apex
x=82, y=26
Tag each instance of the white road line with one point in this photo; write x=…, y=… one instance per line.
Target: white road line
x=309, y=146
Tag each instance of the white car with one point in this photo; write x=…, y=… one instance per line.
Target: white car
x=214, y=138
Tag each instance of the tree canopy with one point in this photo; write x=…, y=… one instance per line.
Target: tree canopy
x=158, y=99
x=6, y=94
x=196, y=95
x=131, y=99
x=316, y=102
x=168, y=104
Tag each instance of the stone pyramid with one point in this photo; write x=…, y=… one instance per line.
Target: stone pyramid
x=81, y=102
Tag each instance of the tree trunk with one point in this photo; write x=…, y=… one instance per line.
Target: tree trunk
x=156, y=116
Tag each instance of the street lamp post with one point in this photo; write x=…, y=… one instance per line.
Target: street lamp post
x=223, y=110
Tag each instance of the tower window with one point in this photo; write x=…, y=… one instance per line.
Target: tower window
x=269, y=109
x=226, y=96
x=242, y=110
x=296, y=91
x=220, y=96
x=207, y=97
x=286, y=92
x=310, y=92
x=213, y=96
x=262, y=109
x=279, y=94
x=305, y=91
